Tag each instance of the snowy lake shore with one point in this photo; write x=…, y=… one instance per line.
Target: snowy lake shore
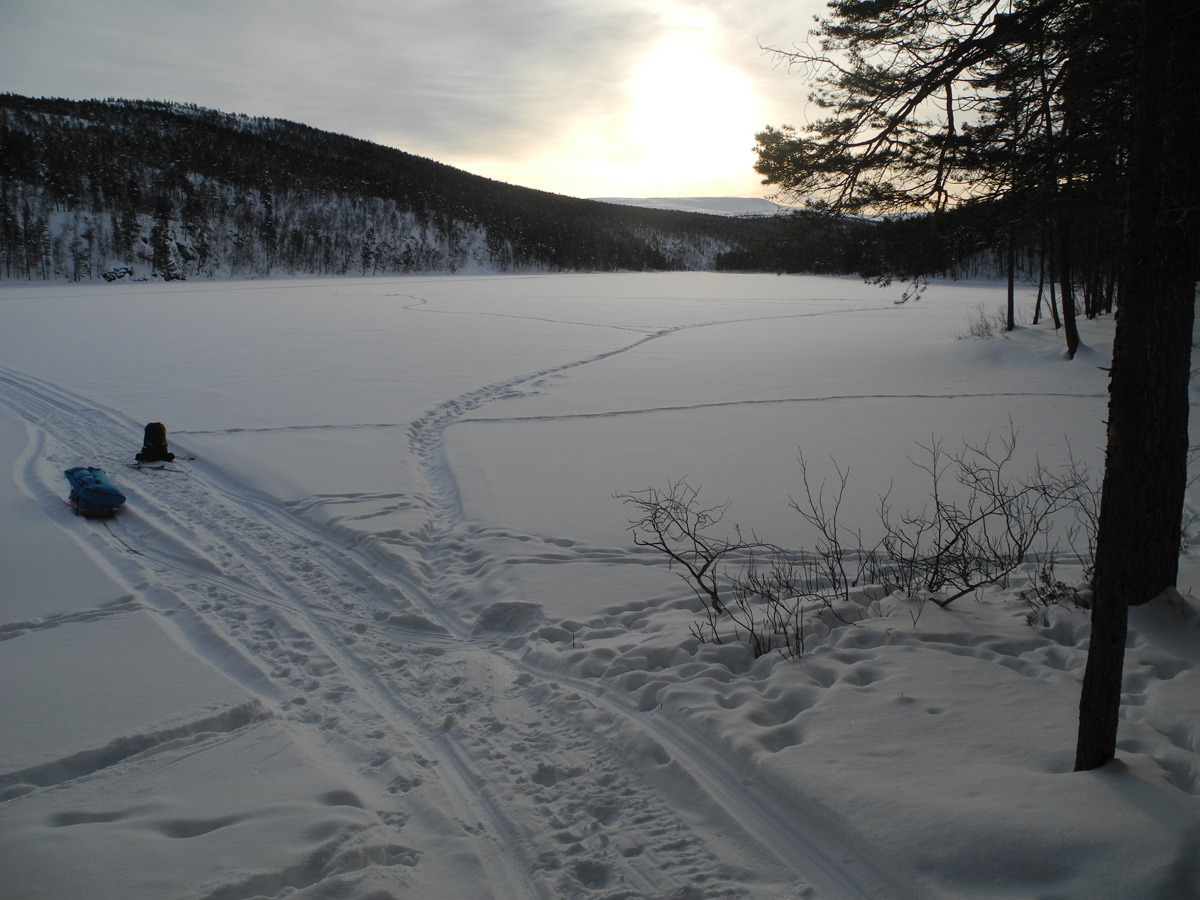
x=381, y=630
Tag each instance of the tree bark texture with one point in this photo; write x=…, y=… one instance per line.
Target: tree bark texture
x=1145, y=475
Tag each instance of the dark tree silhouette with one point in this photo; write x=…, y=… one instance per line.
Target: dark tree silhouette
x=1145, y=474
x=1053, y=87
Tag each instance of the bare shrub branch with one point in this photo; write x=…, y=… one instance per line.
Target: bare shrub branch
x=672, y=522
x=954, y=548
x=980, y=525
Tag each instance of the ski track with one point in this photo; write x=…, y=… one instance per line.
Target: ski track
x=355, y=638
x=690, y=407
x=780, y=401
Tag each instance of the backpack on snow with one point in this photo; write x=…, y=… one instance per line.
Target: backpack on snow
x=154, y=445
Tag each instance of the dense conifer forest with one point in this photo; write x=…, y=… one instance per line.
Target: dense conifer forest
x=141, y=189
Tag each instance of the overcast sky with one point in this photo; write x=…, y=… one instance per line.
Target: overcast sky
x=591, y=98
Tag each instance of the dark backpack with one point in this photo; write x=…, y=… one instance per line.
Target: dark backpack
x=154, y=445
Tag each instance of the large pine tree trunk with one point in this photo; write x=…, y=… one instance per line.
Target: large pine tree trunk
x=1145, y=475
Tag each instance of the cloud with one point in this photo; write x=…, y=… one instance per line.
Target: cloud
x=457, y=80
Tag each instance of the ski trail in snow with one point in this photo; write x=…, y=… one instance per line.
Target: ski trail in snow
x=777, y=401
x=707, y=769
x=341, y=665
x=652, y=410
x=426, y=433
x=557, y=781
x=269, y=605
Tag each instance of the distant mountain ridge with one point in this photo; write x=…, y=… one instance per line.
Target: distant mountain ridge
x=118, y=189
x=713, y=206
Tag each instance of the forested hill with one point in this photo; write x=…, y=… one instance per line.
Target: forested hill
x=140, y=189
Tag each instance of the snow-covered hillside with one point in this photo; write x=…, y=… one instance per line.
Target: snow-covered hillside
x=381, y=630
x=134, y=190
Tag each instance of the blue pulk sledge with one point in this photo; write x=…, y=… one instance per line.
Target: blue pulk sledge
x=92, y=494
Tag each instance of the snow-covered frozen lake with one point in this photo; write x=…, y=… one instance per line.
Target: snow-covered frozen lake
x=384, y=632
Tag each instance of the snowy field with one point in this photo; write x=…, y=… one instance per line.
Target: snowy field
x=384, y=633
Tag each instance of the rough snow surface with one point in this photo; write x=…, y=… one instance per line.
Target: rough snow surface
x=386, y=634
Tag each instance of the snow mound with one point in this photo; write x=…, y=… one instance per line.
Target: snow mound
x=508, y=617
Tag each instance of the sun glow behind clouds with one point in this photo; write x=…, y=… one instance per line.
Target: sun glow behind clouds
x=594, y=98
x=688, y=114
x=685, y=125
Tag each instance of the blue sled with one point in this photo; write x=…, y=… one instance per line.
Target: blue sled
x=91, y=492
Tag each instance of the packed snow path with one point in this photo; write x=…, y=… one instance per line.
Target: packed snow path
x=340, y=640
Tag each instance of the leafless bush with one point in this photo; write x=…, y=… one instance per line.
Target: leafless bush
x=980, y=526
x=954, y=547
x=673, y=523
x=981, y=324
x=1045, y=590
x=835, y=545
x=751, y=590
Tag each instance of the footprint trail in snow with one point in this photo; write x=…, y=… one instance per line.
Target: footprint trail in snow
x=561, y=787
